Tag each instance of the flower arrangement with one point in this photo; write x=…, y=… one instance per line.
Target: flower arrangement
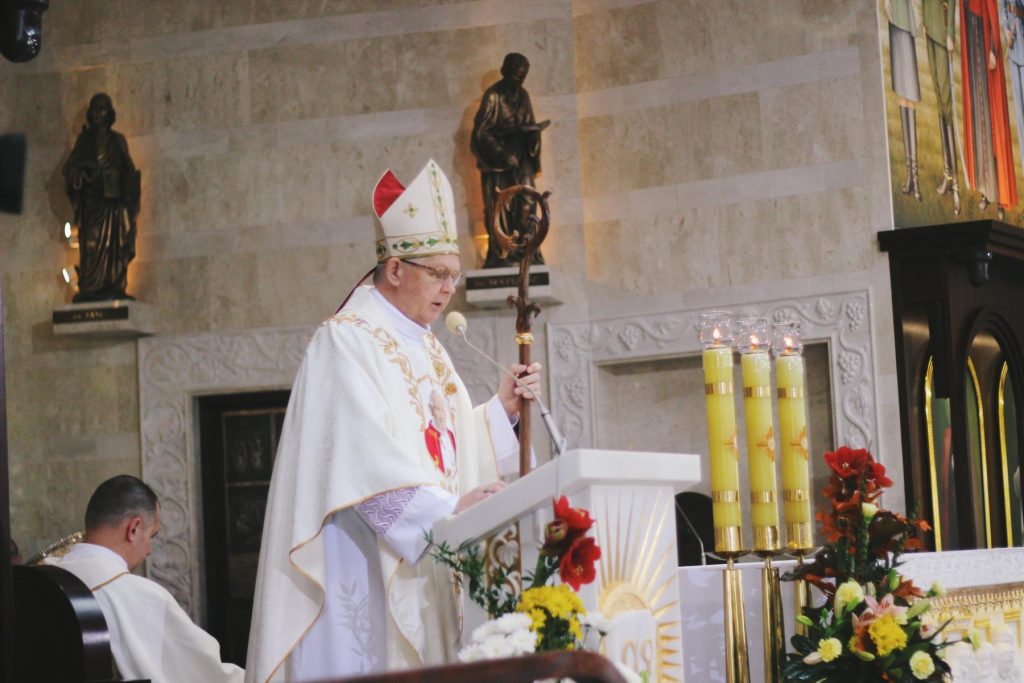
x=874, y=624
x=553, y=614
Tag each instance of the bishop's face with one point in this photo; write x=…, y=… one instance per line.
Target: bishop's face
x=421, y=294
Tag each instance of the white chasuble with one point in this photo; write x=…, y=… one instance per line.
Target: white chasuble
x=363, y=470
x=151, y=636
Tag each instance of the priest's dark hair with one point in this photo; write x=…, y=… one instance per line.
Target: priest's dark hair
x=117, y=499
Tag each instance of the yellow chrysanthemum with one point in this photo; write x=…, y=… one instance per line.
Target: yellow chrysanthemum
x=559, y=601
x=887, y=635
x=575, y=629
x=849, y=594
x=922, y=665
x=537, y=619
x=829, y=649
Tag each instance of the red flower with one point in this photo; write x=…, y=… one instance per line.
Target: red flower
x=577, y=519
x=577, y=566
x=847, y=462
x=876, y=474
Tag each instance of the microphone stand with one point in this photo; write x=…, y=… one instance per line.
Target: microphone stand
x=557, y=440
x=525, y=240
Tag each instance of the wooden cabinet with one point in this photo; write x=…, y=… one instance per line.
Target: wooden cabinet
x=958, y=311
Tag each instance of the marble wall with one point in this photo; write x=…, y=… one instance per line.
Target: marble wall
x=701, y=154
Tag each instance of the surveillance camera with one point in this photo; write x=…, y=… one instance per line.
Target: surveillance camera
x=21, y=29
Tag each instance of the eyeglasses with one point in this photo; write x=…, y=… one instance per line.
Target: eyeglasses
x=439, y=274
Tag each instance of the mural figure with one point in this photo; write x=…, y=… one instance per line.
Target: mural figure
x=1013, y=25
x=988, y=149
x=103, y=186
x=939, y=29
x=903, y=61
x=506, y=144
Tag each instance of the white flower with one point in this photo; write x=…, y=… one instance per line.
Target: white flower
x=496, y=647
x=506, y=636
x=512, y=622
x=596, y=621
x=524, y=641
x=471, y=653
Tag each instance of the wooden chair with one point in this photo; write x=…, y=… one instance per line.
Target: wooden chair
x=59, y=630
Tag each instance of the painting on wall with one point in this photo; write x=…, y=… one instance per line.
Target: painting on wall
x=953, y=72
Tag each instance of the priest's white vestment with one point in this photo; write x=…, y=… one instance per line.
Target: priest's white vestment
x=151, y=636
x=340, y=588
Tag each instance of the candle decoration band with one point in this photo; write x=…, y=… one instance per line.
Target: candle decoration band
x=726, y=496
x=791, y=392
x=799, y=536
x=720, y=388
x=762, y=497
x=790, y=495
x=524, y=338
x=767, y=538
x=760, y=391
x=728, y=539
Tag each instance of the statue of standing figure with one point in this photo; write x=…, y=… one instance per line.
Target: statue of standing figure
x=506, y=144
x=104, y=188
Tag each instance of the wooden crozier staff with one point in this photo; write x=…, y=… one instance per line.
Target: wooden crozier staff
x=526, y=242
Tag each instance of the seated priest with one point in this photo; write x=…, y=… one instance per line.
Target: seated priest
x=151, y=636
x=380, y=441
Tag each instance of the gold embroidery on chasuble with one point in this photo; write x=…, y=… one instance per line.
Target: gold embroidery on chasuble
x=443, y=378
x=389, y=345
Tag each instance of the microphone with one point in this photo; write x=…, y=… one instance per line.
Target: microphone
x=457, y=324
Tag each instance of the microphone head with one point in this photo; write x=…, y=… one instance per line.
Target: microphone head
x=456, y=323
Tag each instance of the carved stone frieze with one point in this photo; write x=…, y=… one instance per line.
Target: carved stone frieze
x=841, y=320
x=172, y=372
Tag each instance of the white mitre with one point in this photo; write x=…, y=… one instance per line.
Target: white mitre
x=418, y=220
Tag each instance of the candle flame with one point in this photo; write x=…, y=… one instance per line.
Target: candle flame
x=715, y=334
x=754, y=341
x=789, y=343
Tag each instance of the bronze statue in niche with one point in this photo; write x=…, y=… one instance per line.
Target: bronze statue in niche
x=104, y=188
x=506, y=144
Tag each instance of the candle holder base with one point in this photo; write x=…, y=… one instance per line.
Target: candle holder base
x=774, y=631
x=801, y=589
x=737, y=664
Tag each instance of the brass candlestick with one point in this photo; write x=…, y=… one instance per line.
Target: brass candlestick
x=801, y=592
x=774, y=630
x=800, y=544
x=737, y=663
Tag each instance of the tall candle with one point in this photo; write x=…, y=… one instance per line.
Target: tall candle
x=722, y=448
x=757, y=409
x=792, y=402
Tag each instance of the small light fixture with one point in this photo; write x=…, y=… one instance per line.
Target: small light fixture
x=71, y=235
x=70, y=277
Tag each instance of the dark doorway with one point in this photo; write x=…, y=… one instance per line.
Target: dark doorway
x=238, y=441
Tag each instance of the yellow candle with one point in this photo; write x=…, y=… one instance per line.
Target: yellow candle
x=757, y=409
x=722, y=449
x=796, y=489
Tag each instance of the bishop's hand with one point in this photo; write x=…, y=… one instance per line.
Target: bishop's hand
x=509, y=392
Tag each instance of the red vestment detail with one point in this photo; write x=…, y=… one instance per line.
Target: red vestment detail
x=433, y=439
